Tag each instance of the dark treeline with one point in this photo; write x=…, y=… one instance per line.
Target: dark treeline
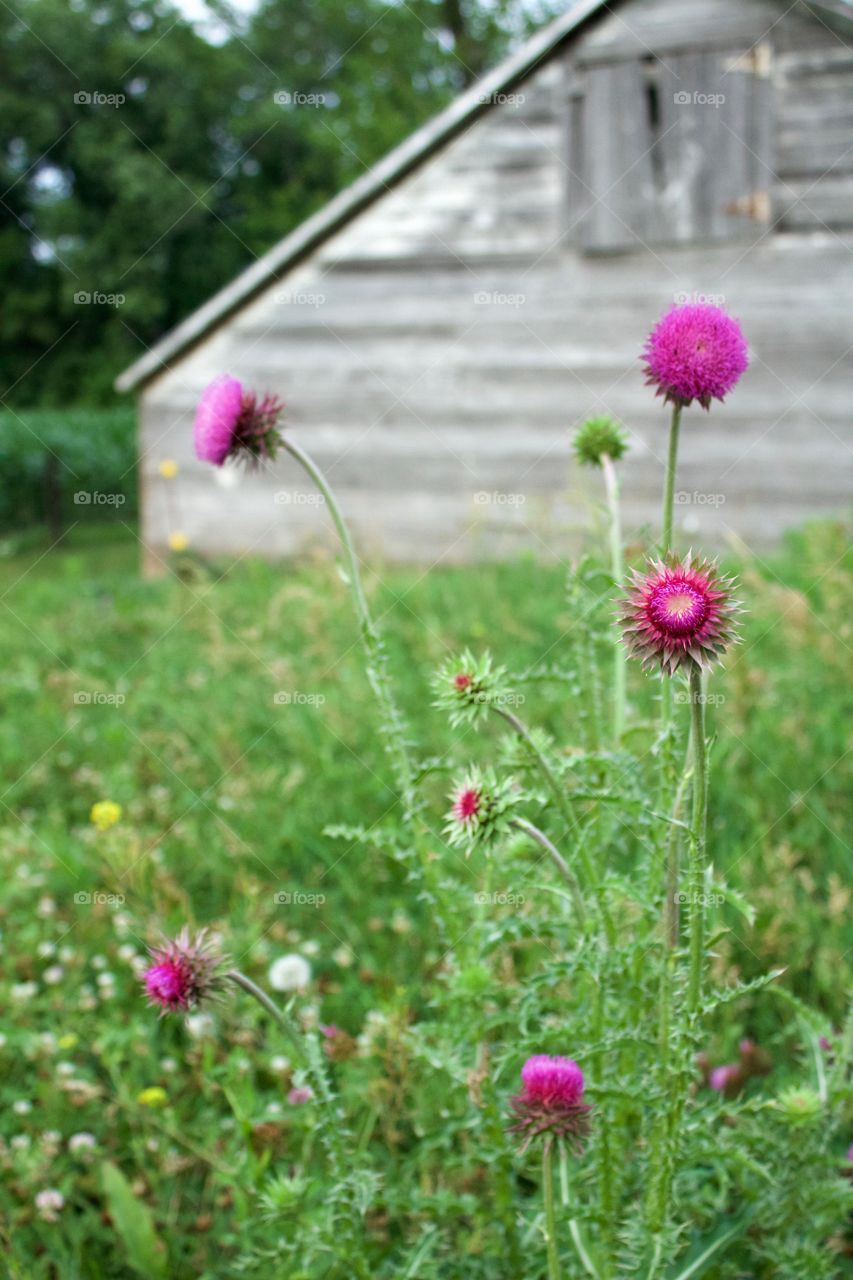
x=145, y=162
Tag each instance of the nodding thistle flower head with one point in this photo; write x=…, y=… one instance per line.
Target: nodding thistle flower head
x=231, y=422
x=481, y=809
x=597, y=437
x=679, y=613
x=184, y=972
x=695, y=352
x=551, y=1103
x=466, y=687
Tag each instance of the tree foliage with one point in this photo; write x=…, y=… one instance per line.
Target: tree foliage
x=146, y=160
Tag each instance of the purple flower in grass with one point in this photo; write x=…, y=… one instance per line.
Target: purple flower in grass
x=184, y=972
x=677, y=613
x=695, y=352
x=551, y=1101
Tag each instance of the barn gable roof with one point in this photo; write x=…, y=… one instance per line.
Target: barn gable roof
x=347, y=204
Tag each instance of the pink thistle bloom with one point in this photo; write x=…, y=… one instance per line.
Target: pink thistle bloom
x=462, y=680
x=466, y=805
x=551, y=1101
x=298, y=1097
x=678, y=613
x=184, y=972
x=231, y=422
x=721, y=1076
x=695, y=352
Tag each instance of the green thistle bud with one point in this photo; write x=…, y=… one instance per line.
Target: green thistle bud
x=482, y=809
x=598, y=436
x=466, y=687
x=800, y=1106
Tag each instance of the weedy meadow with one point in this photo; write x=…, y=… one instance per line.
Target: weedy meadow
x=555, y=1110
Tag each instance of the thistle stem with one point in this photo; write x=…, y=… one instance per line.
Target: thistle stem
x=669, y=485
x=268, y=1005
x=567, y=813
x=392, y=721
x=617, y=569
x=697, y=841
x=521, y=824
x=550, y=1223
x=666, y=547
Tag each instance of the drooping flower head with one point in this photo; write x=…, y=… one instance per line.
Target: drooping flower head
x=679, y=612
x=185, y=971
x=597, y=437
x=695, y=352
x=231, y=422
x=551, y=1101
x=481, y=809
x=466, y=687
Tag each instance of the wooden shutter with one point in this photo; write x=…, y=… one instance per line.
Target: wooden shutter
x=672, y=150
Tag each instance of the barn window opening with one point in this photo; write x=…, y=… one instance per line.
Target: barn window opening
x=651, y=94
x=669, y=150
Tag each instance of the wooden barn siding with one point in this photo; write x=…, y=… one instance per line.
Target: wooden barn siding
x=418, y=397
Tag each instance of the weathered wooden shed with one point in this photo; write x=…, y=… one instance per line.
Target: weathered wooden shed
x=439, y=327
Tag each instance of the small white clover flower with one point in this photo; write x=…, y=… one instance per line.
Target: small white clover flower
x=49, y=1203
x=82, y=1142
x=54, y=974
x=289, y=973
x=23, y=990
x=199, y=1025
x=22, y=1107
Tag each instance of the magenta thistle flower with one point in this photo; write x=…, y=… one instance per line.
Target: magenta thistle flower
x=677, y=613
x=551, y=1101
x=231, y=422
x=467, y=804
x=185, y=971
x=695, y=352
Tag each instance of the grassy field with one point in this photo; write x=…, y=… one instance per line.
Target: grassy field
x=225, y=709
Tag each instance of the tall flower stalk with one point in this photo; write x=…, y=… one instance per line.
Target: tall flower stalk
x=601, y=442
x=233, y=423
x=697, y=840
x=188, y=972
x=551, y=1109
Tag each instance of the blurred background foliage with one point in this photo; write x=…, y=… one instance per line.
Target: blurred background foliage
x=162, y=198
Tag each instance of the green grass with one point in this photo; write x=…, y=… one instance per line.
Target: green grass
x=161, y=695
